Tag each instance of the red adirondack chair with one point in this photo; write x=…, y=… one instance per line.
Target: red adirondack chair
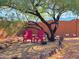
x=27, y=35
x=40, y=36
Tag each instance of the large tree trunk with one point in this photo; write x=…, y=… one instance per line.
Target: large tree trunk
x=52, y=33
x=50, y=37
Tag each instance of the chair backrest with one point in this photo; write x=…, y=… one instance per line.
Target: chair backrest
x=41, y=33
x=28, y=33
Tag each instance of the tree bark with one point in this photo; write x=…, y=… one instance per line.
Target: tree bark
x=51, y=36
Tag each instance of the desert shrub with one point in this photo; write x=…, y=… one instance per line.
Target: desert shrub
x=11, y=27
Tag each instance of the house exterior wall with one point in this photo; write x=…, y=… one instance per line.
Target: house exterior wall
x=66, y=28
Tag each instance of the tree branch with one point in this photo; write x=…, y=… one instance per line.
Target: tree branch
x=53, y=22
x=53, y=9
x=41, y=18
x=31, y=13
x=39, y=27
x=55, y=28
x=36, y=24
x=58, y=16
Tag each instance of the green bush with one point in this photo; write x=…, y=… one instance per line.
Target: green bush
x=11, y=27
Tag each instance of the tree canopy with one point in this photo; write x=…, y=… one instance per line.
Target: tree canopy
x=30, y=6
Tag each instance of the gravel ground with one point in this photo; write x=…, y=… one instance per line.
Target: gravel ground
x=17, y=49
x=69, y=51
x=72, y=52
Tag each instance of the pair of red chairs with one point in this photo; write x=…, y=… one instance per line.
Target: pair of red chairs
x=29, y=36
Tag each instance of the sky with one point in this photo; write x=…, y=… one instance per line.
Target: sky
x=12, y=13
x=66, y=16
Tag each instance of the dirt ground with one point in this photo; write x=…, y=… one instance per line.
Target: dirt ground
x=70, y=50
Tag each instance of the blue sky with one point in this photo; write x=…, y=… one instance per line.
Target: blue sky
x=65, y=16
x=68, y=16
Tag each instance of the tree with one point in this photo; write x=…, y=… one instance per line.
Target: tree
x=36, y=7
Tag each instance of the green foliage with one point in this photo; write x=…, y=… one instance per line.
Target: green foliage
x=3, y=2
x=11, y=27
x=41, y=5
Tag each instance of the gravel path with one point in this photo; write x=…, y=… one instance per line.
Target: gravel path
x=72, y=52
x=18, y=49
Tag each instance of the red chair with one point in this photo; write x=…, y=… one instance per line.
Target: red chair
x=34, y=38
x=41, y=35
x=27, y=35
